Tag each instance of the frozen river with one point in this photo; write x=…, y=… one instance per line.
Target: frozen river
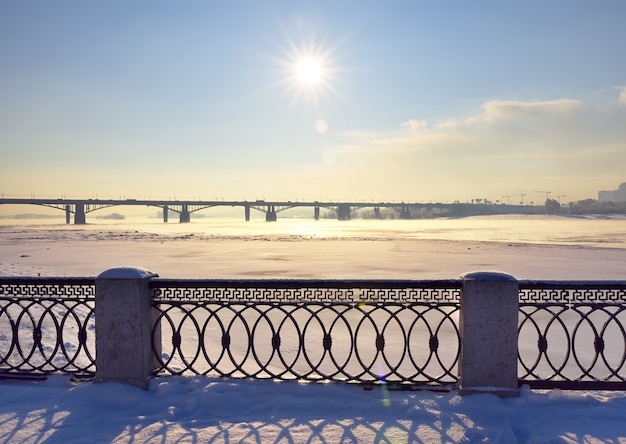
x=529, y=247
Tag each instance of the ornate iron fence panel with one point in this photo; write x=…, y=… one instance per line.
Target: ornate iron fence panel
x=572, y=335
x=47, y=325
x=402, y=332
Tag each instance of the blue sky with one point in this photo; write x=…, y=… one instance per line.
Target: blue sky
x=416, y=101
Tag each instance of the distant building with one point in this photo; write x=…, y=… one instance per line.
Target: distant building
x=618, y=195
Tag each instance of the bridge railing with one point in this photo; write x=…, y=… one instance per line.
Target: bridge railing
x=566, y=334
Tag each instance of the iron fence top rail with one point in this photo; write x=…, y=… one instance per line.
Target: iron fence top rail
x=295, y=284
x=43, y=280
x=572, y=292
x=325, y=291
x=571, y=285
x=22, y=288
x=320, y=283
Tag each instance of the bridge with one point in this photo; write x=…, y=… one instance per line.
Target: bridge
x=79, y=208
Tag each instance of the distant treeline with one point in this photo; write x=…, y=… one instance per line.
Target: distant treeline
x=32, y=216
x=388, y=213
x=592, y=206
x=112, y=216
x=551, y=206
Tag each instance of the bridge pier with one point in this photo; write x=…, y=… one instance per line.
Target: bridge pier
x=247, y=212
x=67, y=213
x=316, y=213
x=184, y=215
x=343, y=212
x=79, y=214
x=377, y=212
x=166, y=210
x=405, y=213
x=270, y=216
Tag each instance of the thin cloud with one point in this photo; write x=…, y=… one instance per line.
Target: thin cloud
x=414, y=125
x=498, y=110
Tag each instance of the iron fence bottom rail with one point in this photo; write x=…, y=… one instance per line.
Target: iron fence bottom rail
x=574, y=385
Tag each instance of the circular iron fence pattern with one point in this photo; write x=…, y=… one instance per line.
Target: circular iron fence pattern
x=306, y=341
x=360, y=331
x=447, y=316
x=47, y=325
x=542, y=323
x=579, y=332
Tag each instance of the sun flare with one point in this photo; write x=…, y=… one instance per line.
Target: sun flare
x=309, y=71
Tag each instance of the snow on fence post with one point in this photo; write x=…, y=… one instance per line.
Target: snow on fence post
x=123, y=326
x=488, y=326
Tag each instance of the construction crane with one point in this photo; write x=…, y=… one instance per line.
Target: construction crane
x=522, y=197
x=547, y=193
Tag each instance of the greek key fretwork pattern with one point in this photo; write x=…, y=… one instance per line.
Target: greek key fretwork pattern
x=298, y=291
x=58, y=288
x=571, y=294
x=252, y=294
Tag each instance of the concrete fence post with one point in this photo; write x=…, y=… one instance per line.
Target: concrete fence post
x=488, y=325
x=124, y=326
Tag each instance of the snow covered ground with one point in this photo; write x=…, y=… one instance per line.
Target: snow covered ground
x=199, y=409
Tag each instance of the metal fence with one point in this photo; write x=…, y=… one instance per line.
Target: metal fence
x=47, y=325
x=571, y=334
x=403, y=332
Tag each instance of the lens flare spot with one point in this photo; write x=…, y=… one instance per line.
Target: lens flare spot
x=321, y=126
x=329, y=157
x=383, y=387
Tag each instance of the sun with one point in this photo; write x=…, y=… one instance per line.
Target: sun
x=308, y=68
x=309, y=71
x=309, y=74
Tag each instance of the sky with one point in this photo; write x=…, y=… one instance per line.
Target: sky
x=418, y=101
